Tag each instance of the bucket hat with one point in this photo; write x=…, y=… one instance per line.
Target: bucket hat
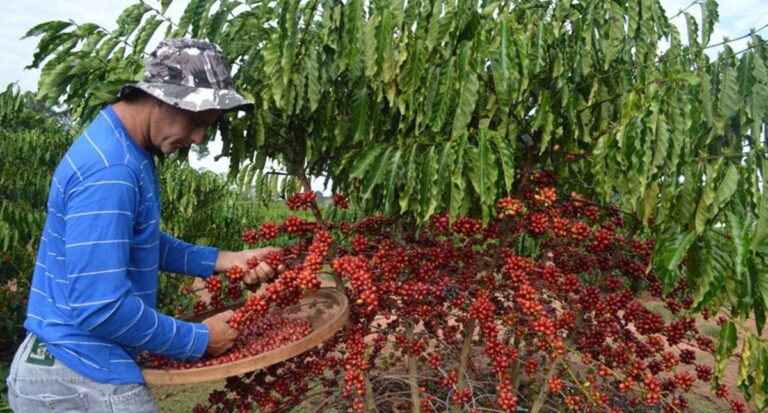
x=190, y=74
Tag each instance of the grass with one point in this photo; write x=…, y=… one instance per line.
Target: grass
x=183, y=397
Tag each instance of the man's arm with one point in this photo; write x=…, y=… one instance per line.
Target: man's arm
x=99, y=225
x=185, y=258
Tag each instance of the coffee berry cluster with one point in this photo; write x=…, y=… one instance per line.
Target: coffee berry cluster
x=549, y=304
x=301, y=200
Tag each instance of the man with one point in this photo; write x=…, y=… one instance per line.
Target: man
x=94, y=288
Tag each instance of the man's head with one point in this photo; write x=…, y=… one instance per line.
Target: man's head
x=187, y=86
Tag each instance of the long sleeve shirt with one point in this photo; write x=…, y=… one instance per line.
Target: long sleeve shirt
x=94, y=286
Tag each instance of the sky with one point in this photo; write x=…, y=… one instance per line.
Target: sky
x=737, y=17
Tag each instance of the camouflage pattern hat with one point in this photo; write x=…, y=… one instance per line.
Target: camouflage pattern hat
x=190, y=74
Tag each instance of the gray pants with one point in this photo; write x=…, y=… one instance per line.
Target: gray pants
x=40, y=383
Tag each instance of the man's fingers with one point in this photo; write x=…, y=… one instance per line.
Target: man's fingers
x=264, y=272
x=263, y=252
x=261, y=273
x=263, y=276
x=251, y=277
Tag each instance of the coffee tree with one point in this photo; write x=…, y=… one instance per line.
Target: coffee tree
x=32, y=140
x=549, y=286
x=416, y=108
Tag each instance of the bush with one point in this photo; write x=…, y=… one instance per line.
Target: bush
x=32, y=141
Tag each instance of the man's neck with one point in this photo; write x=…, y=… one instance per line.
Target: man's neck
x=135, y=118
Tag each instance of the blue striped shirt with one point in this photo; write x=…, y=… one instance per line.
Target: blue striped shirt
x=94, y=286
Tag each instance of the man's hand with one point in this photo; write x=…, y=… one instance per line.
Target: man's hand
x=220, y=335
x=261, y=273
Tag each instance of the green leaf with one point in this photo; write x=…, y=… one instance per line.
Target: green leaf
x=353, y=28
x=314, y=90
x=691, y=78
x=703, y=210
x=445, y=168
x=458, y=184
x=501, y=64
x=760, y=238
x=727, y=186
x=693, y=31
x=725, y=346
x=390, y=181
x=759, y=311
x=506, y=149
x=468, y=93
x=759, y=96
x=728, y=99
x=248, y=181
x=54, y=26
x=384, y=44
x=668, y=253
x=190, y=13
x=471, y=168
x=761, y=378
x=751, y=280
x=762, y=285
x=130, y=19
x=369, y=46
x=365, y=161
x=145, y=34
x=736, y=226
x=650, y=202
x=164, y=4
x=217, y=21
x=744, y=365
x=662, y=143
x=709, y=17
x=704, y=269
x=360, y=114
x=52, y=40
x=486, y=176
x=377, y=173
x=289, y=35
x=258, y=131
x=727, y=339
x=443, y=97
x=434, y=25
x=410, y=177
x=427, y=184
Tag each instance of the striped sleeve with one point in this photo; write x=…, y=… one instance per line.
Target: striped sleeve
x=183, y=258
x=99, y=221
